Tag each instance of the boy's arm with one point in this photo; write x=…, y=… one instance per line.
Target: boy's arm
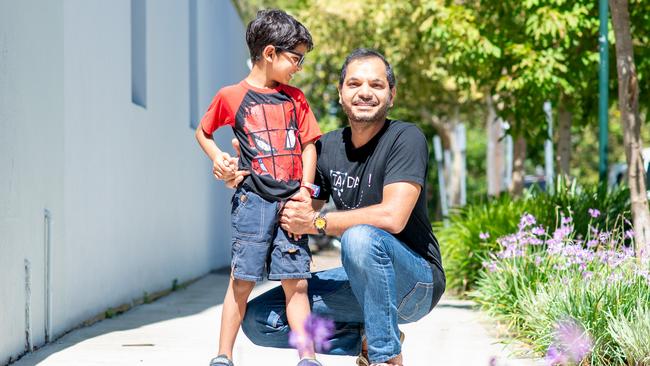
x=309, y=157
x=309, y=162
x=223, y=166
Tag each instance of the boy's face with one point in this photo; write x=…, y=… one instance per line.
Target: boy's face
x=285, y=63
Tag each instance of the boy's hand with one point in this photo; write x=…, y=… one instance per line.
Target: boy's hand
x=239, y=175
x=224, y=166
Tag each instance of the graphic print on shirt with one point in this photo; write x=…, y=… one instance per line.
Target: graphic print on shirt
x=271, y=131
x=341, y=181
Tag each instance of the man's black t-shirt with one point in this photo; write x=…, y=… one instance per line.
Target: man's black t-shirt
x=356, y=178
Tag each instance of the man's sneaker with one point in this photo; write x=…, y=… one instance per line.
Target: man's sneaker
x=221, y=360
x=362, y=360
x=309, y=362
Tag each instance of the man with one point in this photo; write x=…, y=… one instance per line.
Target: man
x=375, y=171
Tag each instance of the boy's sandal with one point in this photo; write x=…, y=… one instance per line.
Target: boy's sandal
x=221, y=360
x=309, y=362
x=362, y=360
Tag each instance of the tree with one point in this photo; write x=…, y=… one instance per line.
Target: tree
x=628, y=100
x=448, y=56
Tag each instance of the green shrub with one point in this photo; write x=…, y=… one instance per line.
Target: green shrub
x=463, y=250
x=537, y=280
x=632, y=333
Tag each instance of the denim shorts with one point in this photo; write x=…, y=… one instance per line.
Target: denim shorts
x=260, y=245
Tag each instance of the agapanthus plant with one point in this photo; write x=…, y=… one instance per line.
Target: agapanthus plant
x=540, y=277
x=564, y=250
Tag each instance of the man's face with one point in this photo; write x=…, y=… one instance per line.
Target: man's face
x=365, y=94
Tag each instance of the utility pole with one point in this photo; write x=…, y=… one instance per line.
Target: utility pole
x=603, y=91
x=549, y=168
x=442, y=186
x=461, y=138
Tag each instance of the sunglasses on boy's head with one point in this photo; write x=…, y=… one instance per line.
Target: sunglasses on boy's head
x=302, y=56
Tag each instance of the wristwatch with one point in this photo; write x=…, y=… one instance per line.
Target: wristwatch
x=320, y=222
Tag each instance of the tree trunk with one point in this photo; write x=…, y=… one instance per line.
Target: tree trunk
x=446, y=131
x=564, y=139
x=628, y=101
x=518, y=172
x=495, y=150
x=456, y=162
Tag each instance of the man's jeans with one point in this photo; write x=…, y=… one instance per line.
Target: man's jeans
x=382, y=283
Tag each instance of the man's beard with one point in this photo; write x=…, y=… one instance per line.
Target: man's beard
x=378, y=116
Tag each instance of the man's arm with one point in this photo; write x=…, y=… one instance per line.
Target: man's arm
x=391, y=214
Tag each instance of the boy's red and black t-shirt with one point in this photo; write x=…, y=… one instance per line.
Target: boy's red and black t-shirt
x=271, y=126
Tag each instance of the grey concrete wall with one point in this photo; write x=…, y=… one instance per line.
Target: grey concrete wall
x=31, y=158
x=132, y=199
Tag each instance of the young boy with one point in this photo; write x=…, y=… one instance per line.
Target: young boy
x=276, y=131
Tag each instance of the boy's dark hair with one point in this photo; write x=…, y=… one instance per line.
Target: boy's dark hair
x=277, y=28
x=361, y=53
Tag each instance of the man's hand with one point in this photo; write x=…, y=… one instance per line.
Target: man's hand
x=297, y=215
x=303, y=195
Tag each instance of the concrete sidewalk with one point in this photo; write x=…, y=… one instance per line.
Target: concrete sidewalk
x=182, y=329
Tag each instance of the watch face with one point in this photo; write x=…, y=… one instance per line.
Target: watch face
x=320, y=223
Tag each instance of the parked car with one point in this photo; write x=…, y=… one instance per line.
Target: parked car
x=618, y=171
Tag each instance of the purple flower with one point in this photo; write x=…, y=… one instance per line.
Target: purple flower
x=538, y=231
x=594, y=212
x=566, y=220
x=527, y=220
x=629, y=234
x=572, y=343
x=493, y=361
x=538, y=261
x=555, y=357
x=300, y=343
x=318, y=332
x=574, y=339
x=491, y=266
x=604, y=236
x=484, y=236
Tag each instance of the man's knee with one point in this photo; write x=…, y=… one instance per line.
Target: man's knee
x=258, y=324
x=359, y=243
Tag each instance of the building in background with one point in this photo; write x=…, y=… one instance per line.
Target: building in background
x=104, y=192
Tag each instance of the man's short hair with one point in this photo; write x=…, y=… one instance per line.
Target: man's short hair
x=361, y=53
x=277, y=28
